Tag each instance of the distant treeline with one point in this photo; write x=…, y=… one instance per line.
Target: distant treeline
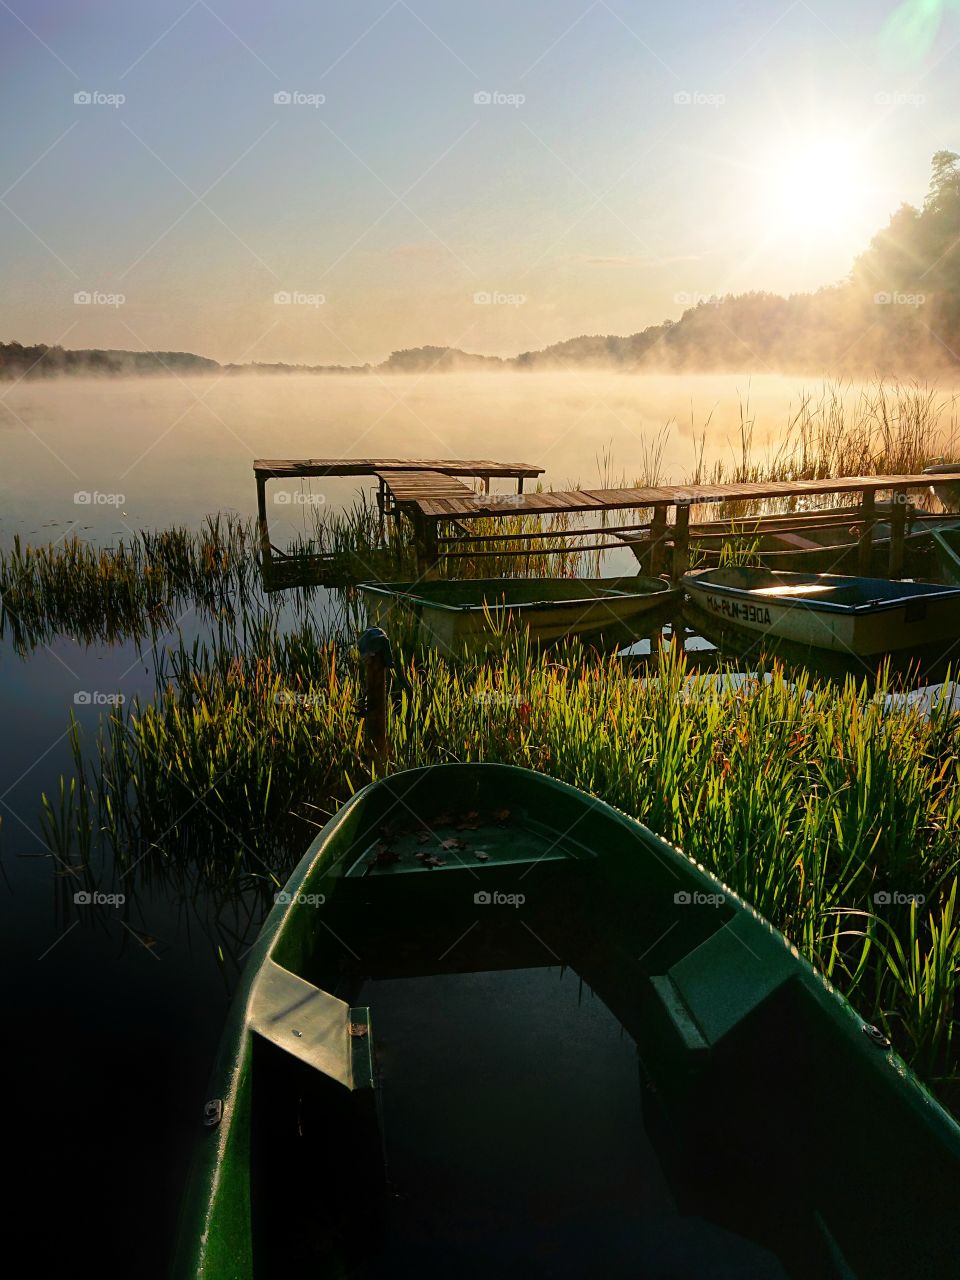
x=897, y=312
x=41, y=361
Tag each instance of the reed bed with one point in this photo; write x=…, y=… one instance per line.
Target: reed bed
x=145, y=585
x=839, y=821
x=883, y=428
x=526, y=547
x=109, y=594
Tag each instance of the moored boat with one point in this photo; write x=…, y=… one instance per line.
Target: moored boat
x=944, y=487
x=863, y=617
x=401, y=1089
x=814, y=542
x=946, y=550
x=452, y=614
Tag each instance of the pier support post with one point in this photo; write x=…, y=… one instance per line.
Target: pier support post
x=898, y=520
x=266, y=555
x=658, y=530
x=377, y=658
x=426, y=544
x=681, y=543
x=262, y=513
x=865, y=551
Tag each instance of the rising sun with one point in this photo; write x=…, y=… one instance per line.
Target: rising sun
x=814, y=188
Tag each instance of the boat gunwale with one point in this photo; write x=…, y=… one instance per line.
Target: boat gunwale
x=661, y=593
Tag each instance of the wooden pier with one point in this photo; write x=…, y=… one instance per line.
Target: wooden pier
x=662, y=536
x=433, y=495
x=403, y=484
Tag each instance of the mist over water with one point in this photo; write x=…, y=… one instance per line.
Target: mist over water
x=152, y=452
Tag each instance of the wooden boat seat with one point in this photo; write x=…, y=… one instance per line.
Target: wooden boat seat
x=310, y=1024
x=795, y=541
x=726, y=978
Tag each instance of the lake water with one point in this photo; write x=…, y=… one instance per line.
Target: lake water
x=115, y=1013
x=171, y=450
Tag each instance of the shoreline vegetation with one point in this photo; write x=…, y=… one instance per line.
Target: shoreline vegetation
x=897, y=312
x=831, y=808
x=140, y=586
x=837, y=818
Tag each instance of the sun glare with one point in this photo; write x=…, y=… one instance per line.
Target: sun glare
x=814, y=188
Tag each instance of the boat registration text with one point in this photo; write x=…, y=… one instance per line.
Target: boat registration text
x=739, y=611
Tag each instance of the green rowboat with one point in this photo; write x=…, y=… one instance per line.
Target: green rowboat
x=493, y=1027
x=453, y=614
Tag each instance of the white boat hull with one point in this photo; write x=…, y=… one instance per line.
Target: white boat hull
x=916, y=619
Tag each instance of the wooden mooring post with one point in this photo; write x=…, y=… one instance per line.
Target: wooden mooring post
x=377, y=659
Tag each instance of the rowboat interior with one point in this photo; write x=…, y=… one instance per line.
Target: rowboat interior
x=522, y=1036
x=822, y=589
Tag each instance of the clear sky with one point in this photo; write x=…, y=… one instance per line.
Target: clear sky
x=632, y=156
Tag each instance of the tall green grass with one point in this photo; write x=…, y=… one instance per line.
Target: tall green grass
x=807, y=800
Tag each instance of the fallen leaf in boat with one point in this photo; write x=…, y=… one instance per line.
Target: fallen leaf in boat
x=483, y=857
x=453, y=844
